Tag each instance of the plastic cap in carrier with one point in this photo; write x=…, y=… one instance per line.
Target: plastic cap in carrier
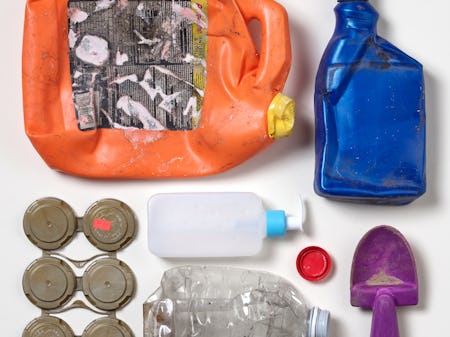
x=109, y=224
x=108, y=284
x=49, y=282
x=108, y=326
x=48, y=326
x=49, y=223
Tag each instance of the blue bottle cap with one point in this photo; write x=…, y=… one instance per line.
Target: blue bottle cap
x=276, y=223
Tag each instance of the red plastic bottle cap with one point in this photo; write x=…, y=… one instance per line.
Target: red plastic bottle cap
x=313, y=263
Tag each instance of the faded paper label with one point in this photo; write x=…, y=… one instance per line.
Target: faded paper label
x=138, y=64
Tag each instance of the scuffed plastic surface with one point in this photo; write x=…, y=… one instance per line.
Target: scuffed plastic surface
x=240, y=87
x=383, y=277
x=224, y=301
x=370, y=115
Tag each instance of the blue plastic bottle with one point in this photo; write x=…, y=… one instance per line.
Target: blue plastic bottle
x=370, y=115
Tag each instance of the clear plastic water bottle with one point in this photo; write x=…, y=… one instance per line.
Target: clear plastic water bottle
x=212, y=301
x=213, y=224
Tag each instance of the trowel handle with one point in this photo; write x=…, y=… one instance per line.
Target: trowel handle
x=384, y=319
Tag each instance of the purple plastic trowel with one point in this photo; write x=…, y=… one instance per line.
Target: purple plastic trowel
x=383, y=277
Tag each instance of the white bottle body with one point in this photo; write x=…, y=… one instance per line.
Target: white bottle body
x=206, y=224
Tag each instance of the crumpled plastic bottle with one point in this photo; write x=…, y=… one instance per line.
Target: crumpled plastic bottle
x=154, y=89
x=370, y=114
x=213, y=301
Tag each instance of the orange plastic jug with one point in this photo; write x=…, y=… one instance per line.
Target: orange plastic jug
x=142, y=89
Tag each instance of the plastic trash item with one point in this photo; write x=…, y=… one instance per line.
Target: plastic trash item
x=50, y=223
x=213, y=224
x=145, y=89
x=313, y=263
x=50, y=282
x=210, y=301
x=108, y=284
x=370, y=115
x=383, y=277
x=48, y=325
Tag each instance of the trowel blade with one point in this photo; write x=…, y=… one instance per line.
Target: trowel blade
x=383, y=260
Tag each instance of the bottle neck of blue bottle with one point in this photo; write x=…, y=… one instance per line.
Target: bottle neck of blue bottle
x=355, y=17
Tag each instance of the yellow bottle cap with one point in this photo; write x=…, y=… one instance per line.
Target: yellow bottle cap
x=281, y=116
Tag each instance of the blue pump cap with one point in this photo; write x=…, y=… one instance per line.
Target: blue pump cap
x=276, y=223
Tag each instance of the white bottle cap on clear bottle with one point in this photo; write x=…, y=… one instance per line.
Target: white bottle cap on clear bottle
x=318, y=322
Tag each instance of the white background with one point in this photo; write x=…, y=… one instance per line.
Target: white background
x=278, y=174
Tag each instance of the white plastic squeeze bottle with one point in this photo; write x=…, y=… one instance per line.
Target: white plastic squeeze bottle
x=213, y=224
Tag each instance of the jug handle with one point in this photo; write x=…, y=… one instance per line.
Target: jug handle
x=275, y=56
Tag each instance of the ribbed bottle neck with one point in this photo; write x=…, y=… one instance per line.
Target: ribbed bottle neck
x=318, y=322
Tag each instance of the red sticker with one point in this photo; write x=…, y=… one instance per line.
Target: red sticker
x=102, y=224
